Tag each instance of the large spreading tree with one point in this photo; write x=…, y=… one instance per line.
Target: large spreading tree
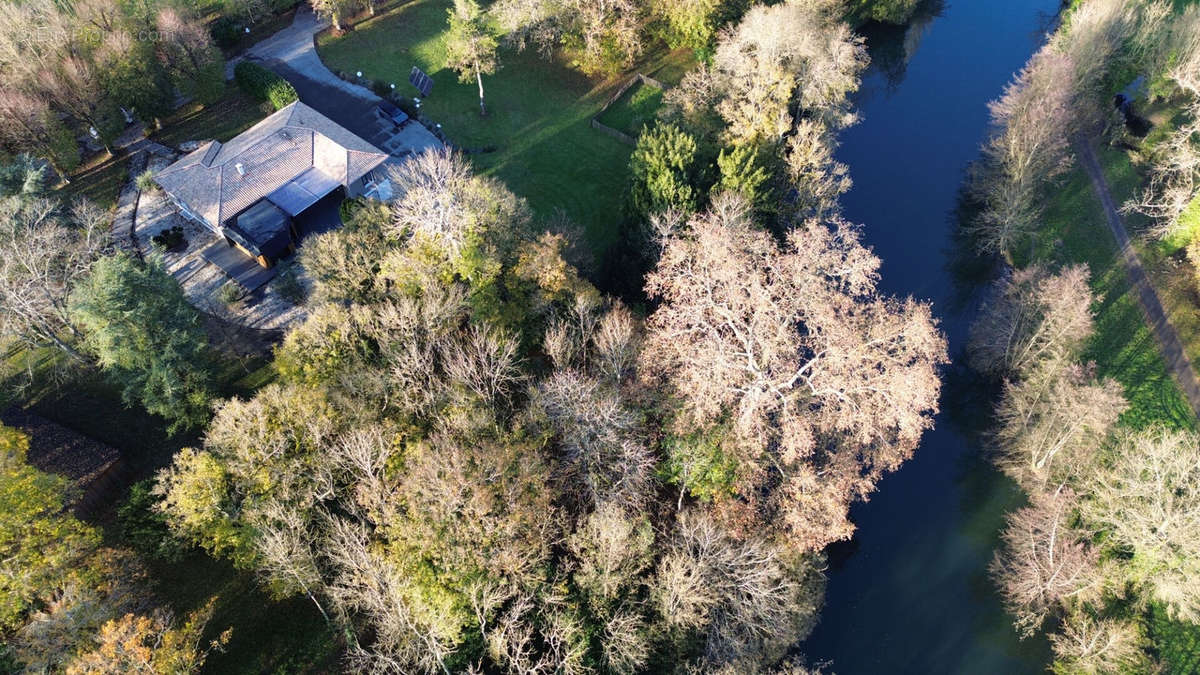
x=825, y=382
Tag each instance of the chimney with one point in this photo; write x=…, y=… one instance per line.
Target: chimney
x=240, y=169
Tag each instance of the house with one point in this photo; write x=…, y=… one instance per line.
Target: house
x=250, y=189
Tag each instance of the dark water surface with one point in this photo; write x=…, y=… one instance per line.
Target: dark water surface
x=911, y=593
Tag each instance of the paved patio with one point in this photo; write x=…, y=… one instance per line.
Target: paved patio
x=200, y=278
x=237, y=265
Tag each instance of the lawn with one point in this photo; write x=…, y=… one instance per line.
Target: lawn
x=99, y=179
x=229, y=116
x=636, y=108
x=537, y=128
x=1123, y=347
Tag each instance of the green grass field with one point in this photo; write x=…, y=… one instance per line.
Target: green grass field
x=538, y=113
x=229, y=116
x=1123, y=347
x=100, y=179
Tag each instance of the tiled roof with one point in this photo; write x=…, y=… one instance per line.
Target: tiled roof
x=56, y=449
x=271, y=153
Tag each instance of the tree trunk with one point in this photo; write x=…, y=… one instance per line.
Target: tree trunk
x=68, y=349
x=319, y=607
x=479, y=79
x=337, y=22
x=61, y=174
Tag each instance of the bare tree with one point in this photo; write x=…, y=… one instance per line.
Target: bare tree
x=76, y=87
x=189, y=54
x=362, y=455
x=625, y=645
x=600, y=437
x=818, y=373
x=27, y=122
x=287, y=554
x=819, y=179
x=604, y=35
x=739, y=595
x=1183, y=45
x=335, y=10
x=611, y=551
x=1175, y=170
x=1174, y=177
x=486, y=363
x=1044, y=563
x=1106, y=36
x=445, y=203
x=41, y=257
x=366, y=583
x=617, y=341
x=1051, y=422
x=779, y=54
x=1027, y=149
x=1149, y=498
x=530, y=22
x=1093, y=646
x=1034, y=316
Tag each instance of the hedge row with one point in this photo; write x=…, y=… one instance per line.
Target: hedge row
x=264, y=85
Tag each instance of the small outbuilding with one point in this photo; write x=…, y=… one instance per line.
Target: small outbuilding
x=95, y=469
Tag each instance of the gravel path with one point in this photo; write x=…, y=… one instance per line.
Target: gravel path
x=1164, y=332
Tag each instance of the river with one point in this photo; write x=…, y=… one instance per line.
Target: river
x=910, y=593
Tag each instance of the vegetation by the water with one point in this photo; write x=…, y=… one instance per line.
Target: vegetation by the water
x=1089, y=408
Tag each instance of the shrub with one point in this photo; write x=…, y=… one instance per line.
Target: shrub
x=349, y=207
x=224, y=32
x=698, y=464
x=231, y=292
x=405, y=103
x=287, y=284
x=145, y=528
x=145, y=181
x=169, y=239
x=664, y=169
x=263, y=85
x=381, y=89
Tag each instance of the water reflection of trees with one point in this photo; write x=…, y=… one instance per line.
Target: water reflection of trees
x=892, y=46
